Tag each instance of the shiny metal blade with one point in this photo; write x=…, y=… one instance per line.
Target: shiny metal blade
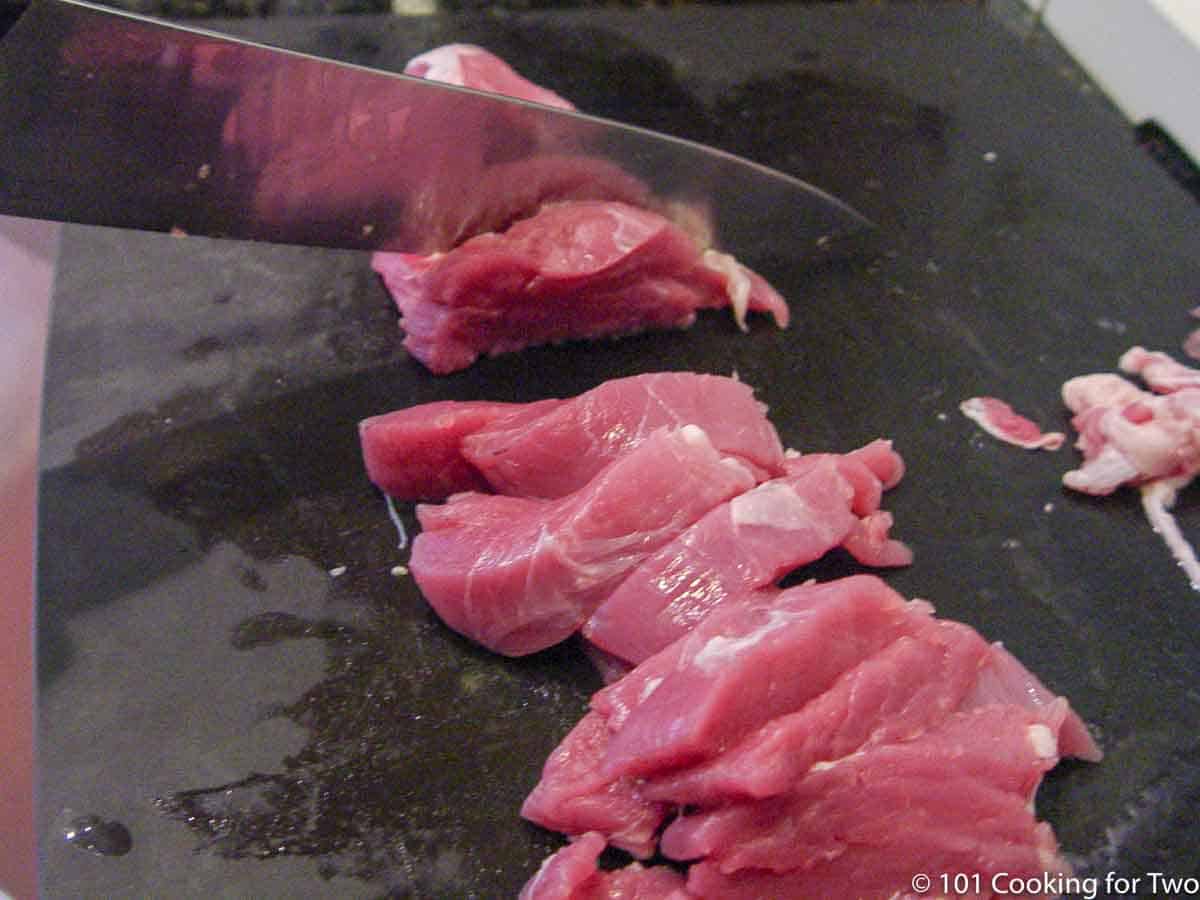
x=110, y=118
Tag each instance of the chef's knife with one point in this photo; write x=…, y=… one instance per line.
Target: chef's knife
x=110, y=118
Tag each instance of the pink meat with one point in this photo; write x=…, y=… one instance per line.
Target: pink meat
x=864, y=705
x=560, y=451
x=574, y=797
x=884, y=462
x=866, y=486
x=295, y=159
x=467, y=65
x=519, y=574
x=871, y=542
x=572, y=874
x=560, y=246
x=580, y=269
x=871, y=469
x=1001, y=421
x=415, y=453
x=713, y=681
x=553, y=447
x=1004, y=680
x=906, y=688
x=881, y=873
x=739, y=669
x=964, y=788
x=563, y=875
x=637, y=882
x=745, y=544
x=503, y=190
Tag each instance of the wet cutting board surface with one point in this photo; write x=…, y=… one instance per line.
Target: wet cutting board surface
x=221, y=623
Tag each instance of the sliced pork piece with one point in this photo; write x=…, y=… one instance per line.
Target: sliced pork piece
x=574, y=797
x=557, y=247
x=743, y=545
x=519, y=574
x=865, y=483
x=901, y=691
x=1003, y=679
x=739, y=669
x=553, y=447
x=562, y=876
x=955, y=799
x=909, y=687
x=821, y=688
x=572, y=874
x=882, y=459
x=559, y=452
x=577, y=269
x=871, y=469
x=416, y=453
x=872, y=544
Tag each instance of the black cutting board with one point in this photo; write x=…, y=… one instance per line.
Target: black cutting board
x=218, y=610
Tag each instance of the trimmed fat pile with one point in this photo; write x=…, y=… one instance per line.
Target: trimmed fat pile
x=754, y=740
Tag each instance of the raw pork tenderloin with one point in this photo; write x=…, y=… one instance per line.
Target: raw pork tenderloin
x=560, y=248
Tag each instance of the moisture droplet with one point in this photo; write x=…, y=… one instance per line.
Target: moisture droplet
x=99, y=836
x=272, y=627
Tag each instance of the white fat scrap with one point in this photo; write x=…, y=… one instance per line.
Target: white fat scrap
x=718, y=651
x=1043, y=741
x=999, y=420
x=445, y=63
x=1161, y=372
x=695, y=436
x=1157, y=499
x=737, y=283
x=1150, y=441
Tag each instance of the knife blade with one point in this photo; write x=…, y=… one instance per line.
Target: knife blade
x=112, y=118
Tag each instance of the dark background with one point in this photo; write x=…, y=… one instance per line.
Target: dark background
x=267, y=728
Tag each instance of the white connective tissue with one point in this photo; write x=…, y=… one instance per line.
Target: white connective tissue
x=395, y=517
